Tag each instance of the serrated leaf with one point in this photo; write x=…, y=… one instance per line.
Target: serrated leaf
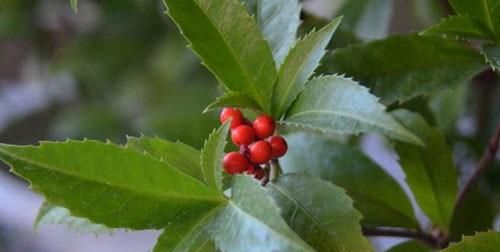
x=461, y=26
x=299, y=65
x=429, y=169
x=278, y=21
x=230, y=44
x=179, y=155
x=109, y=184
x=481, y=242
x=411, y=246
x=376, y=194
x=54, y=215
x=332, y=227
x=252, y=221
x=233, y=100
x=405, y=66
x=492, y=54
x=485, y=11
x=212, y=155
x=74, y=5
x=340, y=105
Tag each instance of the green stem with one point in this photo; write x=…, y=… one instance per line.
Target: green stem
x=276, y=170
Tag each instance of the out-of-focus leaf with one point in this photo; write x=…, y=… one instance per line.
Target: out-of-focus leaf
x=212, y=155
x=480, y=242
x=461, y=26
x=74, y=5
x=236, y=53
x=376, y=194
x=299, y=65
x=340, y=105
x=405, y=66
x=369, y=19
x=485, y=11
x=429, y=169
x=492, y=54
x=320, y=212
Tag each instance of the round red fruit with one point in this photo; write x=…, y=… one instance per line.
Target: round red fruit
x=260, y=152
x=231, y=113
x=234, y=162
x=278, y=145
x=264, y=126
x=242, y=135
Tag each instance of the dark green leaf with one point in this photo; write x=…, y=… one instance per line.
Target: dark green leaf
x=228, y=40
x=178, y=155
x=109, y=184
x=461, y=26
x=212, y=155
x=299, y=65
x=54, y=215
x=429, y=170
x=481, y=242
x=485, y=11
x=320, y=212
x=402, y=67
x=233, y=100
x=411, y=246
x=279, y=21
x=376, y=194
x=339, y=105
x=492, y=54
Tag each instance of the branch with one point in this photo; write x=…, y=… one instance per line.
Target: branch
x=403, y=233
x=488, y=156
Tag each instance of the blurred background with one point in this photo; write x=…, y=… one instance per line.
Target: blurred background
x=120, y=67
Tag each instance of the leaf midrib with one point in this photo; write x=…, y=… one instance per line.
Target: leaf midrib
x=233, y=55
x=122, y=187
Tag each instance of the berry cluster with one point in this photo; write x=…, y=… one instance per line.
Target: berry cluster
x=258, y=145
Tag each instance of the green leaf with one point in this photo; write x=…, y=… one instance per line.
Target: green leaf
x=486, y=11
x=320, y=212
x=405, y=66
x=461, y=26
x=492, y=54
x=212, y=155
x=339, y=105
x=279, y=21
x=230, y=44
x=74, y=5
x=179, y=155
x=368, y=19
x=481, y=242
x=411, y=246
x=233, y=100
x=299, y=65
x=429, y=169
x=109, y=184
x=347, y=167
x=54, y=215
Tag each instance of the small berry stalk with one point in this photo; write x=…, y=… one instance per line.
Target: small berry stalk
x=259, y=147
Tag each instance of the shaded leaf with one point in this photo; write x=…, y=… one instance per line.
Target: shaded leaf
x=481, y=242
x=429, y=169
x=212, y=155
x=54, y=215
x=376, y=194
x=485, y=11
x=332, y=227
x=177, y=154
x=339, y=105
x=411, y=246
x=461, y=26
x=109, y=184
x=405, y=66
x=492, y=54
x=233, y=100
x=236, y=53
x=279, y=21
x=299, y=65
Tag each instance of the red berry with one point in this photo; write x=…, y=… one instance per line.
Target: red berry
x=242, y=135
x=251, y=168
x=234, y=113
x=259, y=173
x=234, y=162
x=264, y=126
x=278, y=145
x=260, y=152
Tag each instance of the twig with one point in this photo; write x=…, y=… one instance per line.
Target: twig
x=488, y=156
x=403, y=233
x=275, y=169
